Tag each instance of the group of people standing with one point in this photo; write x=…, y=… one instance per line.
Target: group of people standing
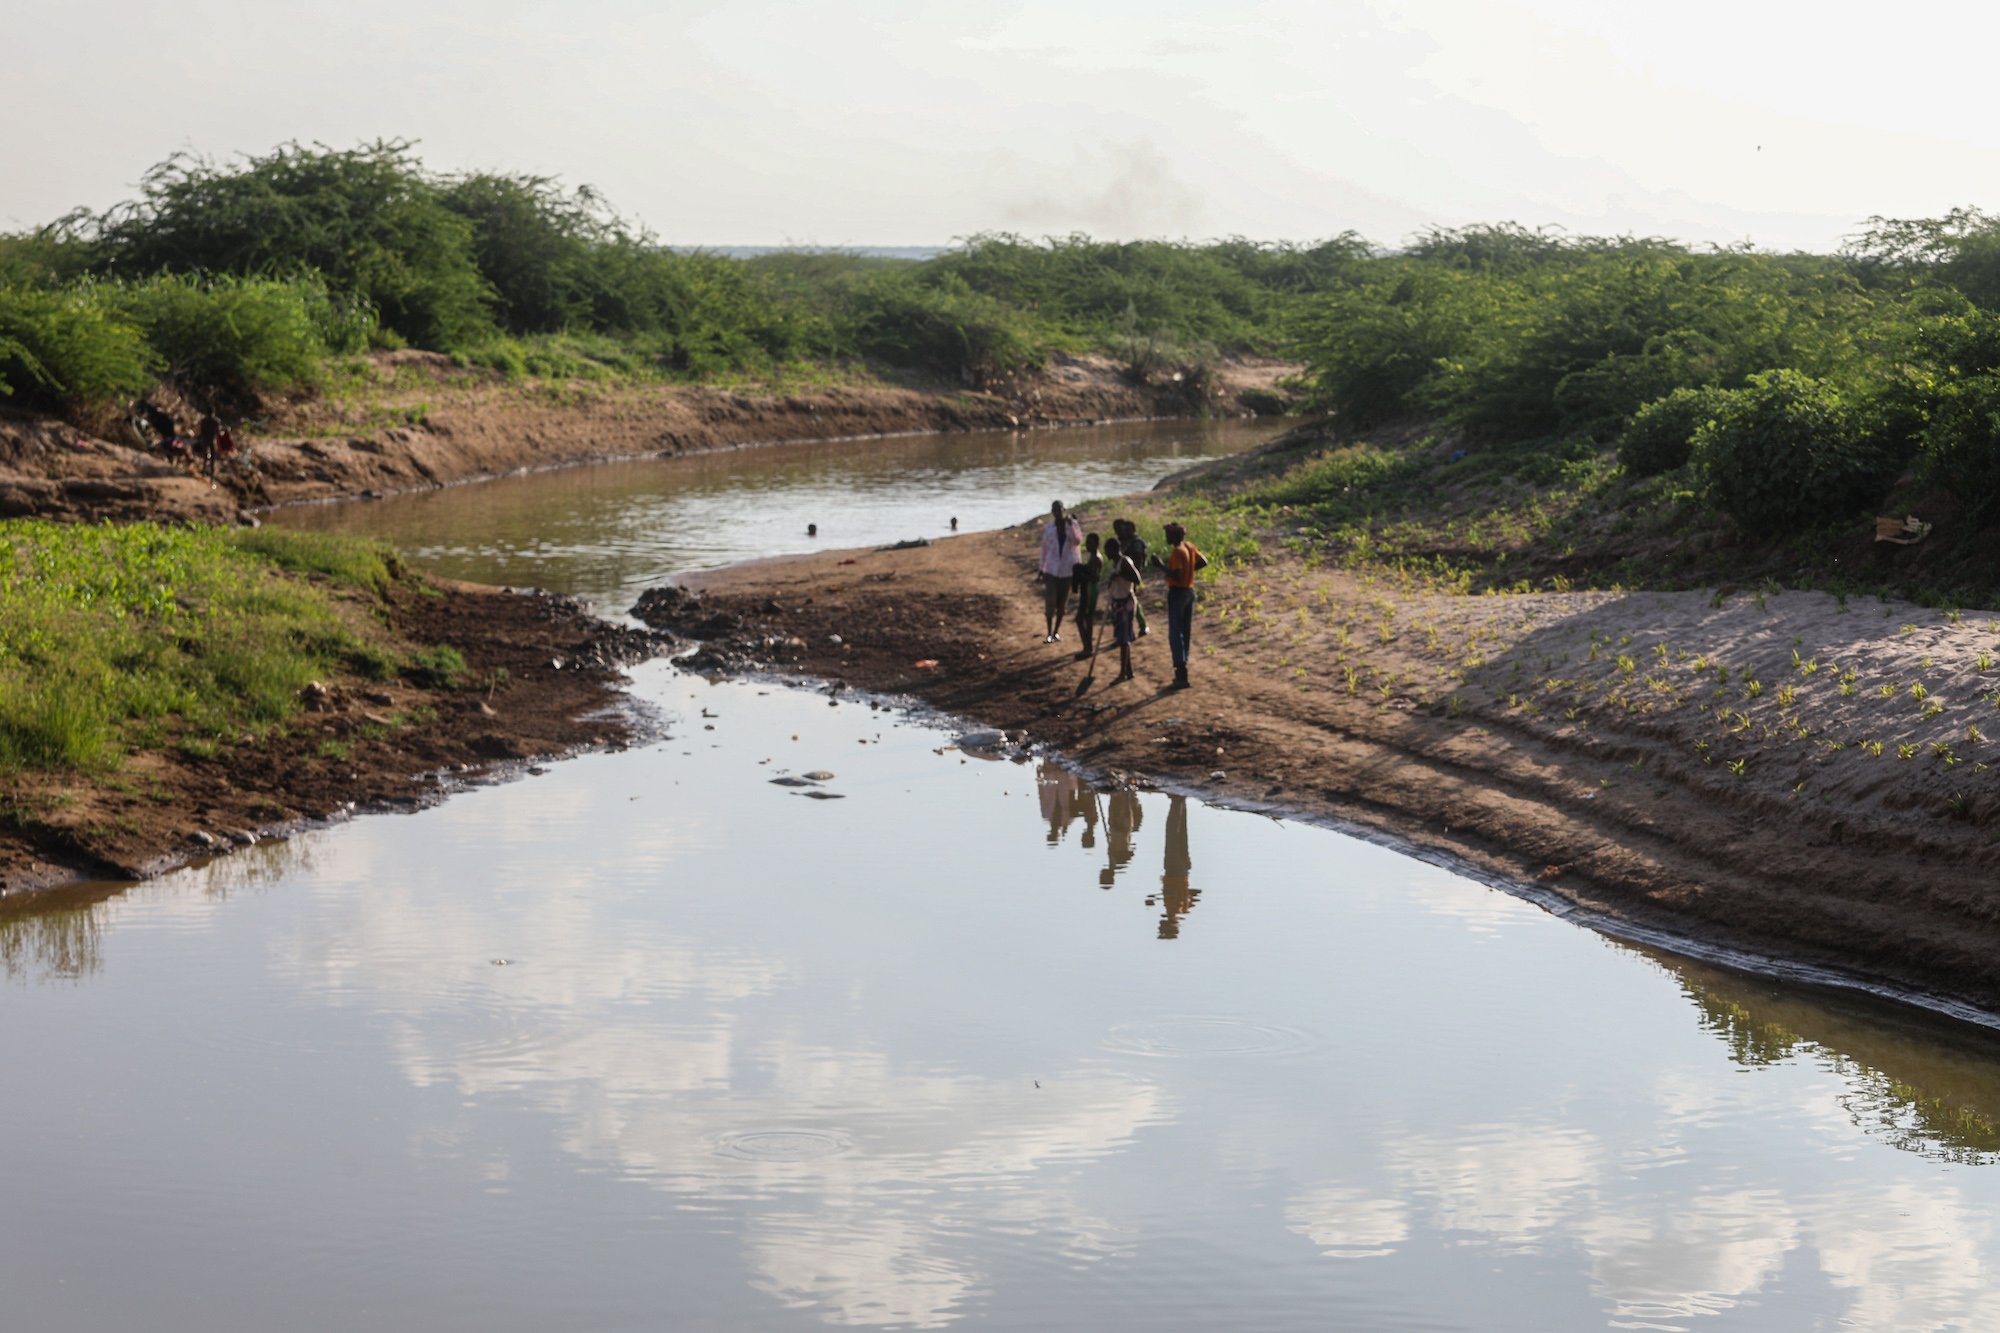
x=212, y=442
x=1106, y=576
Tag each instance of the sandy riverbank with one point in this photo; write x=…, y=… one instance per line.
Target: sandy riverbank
x=1660, y=760
x=414, y=421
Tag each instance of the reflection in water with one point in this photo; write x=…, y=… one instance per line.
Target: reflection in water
x=1924, y=1084
x=766, y=1064
x=58, y=934
x=53, y=936
x=1066, y=800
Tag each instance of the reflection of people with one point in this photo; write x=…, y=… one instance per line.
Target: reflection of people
x=1177, y=898
x=1061, y=793
x=1122, y=816
x=1061, y=540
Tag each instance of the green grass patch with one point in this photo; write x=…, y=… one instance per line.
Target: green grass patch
x=112, y=636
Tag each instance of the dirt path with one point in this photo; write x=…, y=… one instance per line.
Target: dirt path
x=1579, y=743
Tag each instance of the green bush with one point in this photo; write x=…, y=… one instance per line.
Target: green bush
x=62, y=347
x=1788, y=453
x=369, y=220
x=235, y=333
x=1660, y=437
x=947, y=328
x=1961, y=444
x=1324, y=477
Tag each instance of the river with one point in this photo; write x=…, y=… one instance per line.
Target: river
x=652, y=1041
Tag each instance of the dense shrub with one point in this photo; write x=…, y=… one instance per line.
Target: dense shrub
x=1788, y=452
x=947, y=328
x=1660, y=437
x=64, y=347
x=369, y=220
x=229, y=333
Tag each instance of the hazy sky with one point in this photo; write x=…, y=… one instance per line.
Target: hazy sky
x=845, y=122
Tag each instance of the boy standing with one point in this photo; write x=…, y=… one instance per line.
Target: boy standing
x=1061, y=541
x=1183, y=563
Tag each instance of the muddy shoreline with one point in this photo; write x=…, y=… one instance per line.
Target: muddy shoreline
x=544, y=682
x=1723, y=870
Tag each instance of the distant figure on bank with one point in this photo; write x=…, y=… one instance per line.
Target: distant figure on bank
x=208, y=443
x=1121, y=597
x=812, y=529
x=1134, y=547
x=954, y=525
x=1183, y=563
x=1062, y=539
x=1089, y=569
x=166, y=433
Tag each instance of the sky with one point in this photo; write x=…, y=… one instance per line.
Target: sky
x=898, y=122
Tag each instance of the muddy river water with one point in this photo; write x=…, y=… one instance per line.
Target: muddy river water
x=653, y=1042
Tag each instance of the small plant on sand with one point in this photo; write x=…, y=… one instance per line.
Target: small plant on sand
x=1736, y=769
x=1919, y=693
x=1985, y=662
x=1889, y=691
x=1906, y=752
x=1906, y=631
x=1972, y=733
x=1754, y=688
x=1809, y=668
x=1873, y=747
x=1786, y=698
x=1931, y=710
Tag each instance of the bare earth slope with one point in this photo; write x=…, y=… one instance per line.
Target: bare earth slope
x=412, y=420
x=1589, y=744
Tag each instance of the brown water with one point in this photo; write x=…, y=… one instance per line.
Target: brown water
x=650, y=1042
x=613, y=530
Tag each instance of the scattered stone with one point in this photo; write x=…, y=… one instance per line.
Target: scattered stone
x=243, y=838
x=536, y=772
x=822, y=795
x=204, y=837
x=834, y=639
x=820, y=775
x=790, y=782
x=381, y=698
x=1216, y=776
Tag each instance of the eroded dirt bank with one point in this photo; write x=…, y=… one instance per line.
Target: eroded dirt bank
x=409, y=420
x=1661, y=760
x=542, y=680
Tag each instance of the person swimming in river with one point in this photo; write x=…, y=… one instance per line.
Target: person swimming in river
x=812, y=529
x=1089, y=570
x=1121, y=595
